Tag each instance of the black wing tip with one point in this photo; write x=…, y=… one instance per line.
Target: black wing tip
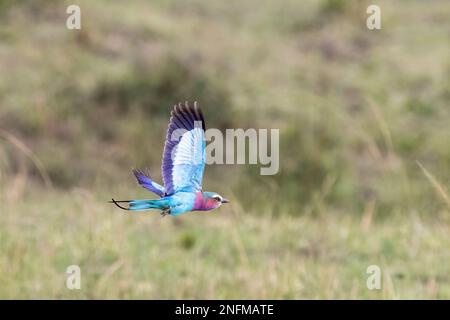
x=186, y=107
x=138, y=172
x=183, y=110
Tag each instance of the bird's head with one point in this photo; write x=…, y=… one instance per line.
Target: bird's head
x=213, y=200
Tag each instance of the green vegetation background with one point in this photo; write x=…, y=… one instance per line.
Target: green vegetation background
x=364, y=148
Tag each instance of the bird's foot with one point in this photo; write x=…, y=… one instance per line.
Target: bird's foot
x=165, y=212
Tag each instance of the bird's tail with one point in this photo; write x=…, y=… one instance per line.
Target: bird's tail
x=139, y=205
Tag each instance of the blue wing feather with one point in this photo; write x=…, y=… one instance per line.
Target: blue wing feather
x=145, y=181
x=184, y=155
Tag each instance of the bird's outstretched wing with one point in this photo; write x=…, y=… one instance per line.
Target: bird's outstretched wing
x=145, y=181
x=185, y=150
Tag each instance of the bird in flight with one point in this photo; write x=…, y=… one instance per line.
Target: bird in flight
x=183, y=165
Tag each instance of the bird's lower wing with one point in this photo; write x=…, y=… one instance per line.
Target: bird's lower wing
x=145, y=181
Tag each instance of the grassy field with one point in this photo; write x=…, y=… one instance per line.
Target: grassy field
x=227, y=254
x=364, y=148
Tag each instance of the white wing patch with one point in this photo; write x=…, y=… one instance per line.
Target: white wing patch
x=188, y=158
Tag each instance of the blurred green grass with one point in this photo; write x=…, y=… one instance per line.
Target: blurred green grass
x=226, y=254
x=356, y=109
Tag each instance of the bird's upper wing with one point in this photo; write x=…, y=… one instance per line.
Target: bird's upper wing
x=185, y=150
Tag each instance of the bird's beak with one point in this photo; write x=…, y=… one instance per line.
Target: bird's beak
x=225, y=200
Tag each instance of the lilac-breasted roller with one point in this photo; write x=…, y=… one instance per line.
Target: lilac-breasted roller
x=183, y=165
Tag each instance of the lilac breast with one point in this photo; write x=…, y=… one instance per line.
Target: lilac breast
x=204, y=204
x=198, y=204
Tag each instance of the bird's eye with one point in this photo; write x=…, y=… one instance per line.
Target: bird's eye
x=218, y=198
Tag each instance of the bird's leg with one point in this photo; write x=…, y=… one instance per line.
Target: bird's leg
x=165, y=212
